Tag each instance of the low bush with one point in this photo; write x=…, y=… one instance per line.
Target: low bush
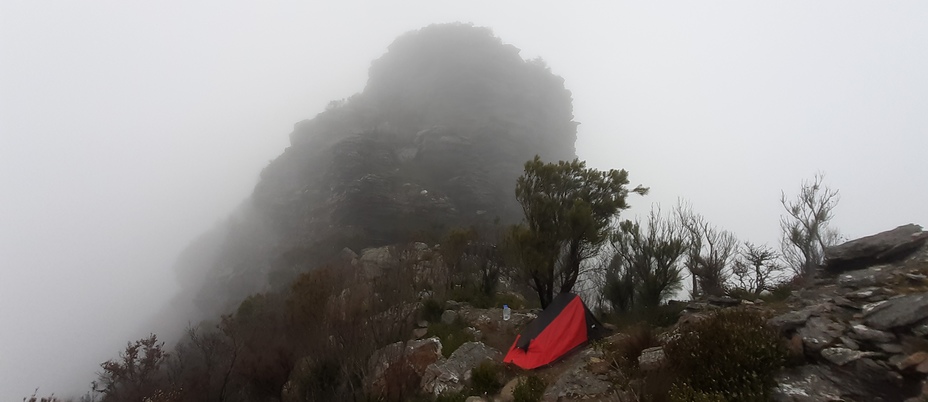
x=686, y=393
x=452, y=335
x=431, y=310
x=660, y=316
x=529, y=389
x=485, y=378
x=624, y=353
x=732, y=354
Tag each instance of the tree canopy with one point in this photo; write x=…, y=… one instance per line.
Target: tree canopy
x=568, y=210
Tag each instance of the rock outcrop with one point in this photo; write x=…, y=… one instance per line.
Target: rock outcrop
x=861, y=332
x=876, y=249
x=452, y=374
x=399, y=367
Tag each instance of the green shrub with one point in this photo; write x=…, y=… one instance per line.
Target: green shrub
x=452, y=335
x=624, y=353
x=529, y=389
x=780, y=292
x=732, y=353
x=661, y=316
x=686, y=393
x=485, y=378
x=431, y=310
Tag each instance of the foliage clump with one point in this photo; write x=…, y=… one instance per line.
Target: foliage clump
x=529, y=389
x=732, y=354
x=685, y=393
x=568, y=212
x=485, y=378
x=431, y=310
x=624, y=353
x=452, y=336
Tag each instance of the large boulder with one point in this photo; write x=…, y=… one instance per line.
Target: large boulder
x=453, y=374
x=582, y=378
x=396, y=370
x=819, y=333
x=898, y=312
x=879, y=248
x=577, y=383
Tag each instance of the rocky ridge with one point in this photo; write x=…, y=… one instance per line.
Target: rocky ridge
x=854, y=336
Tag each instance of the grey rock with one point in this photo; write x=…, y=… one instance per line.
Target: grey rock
x=398, y=366
x=418, y=333
x=791, y=320
x=862, y=380
x=842, y=356
x=843, y=302
x=864, y=277
x=875, y=249
x=806, y=384
x=861, y=294
x=898, y=312
x=918, y=278
x=920, y=330
x=864, y=333
x=724, y=301
x=867, y=308
x=819, y=333
x=849, y=343
x=890, y=348
x=453, y=374
x=474, y=333
x=375, y=261
x=576, y=383
x=651, y=358
x=449, y=316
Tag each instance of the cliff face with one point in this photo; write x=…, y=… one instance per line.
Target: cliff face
x=435, y=140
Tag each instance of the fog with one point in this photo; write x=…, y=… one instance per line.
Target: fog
x=127, y=129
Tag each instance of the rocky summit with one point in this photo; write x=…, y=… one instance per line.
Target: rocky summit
x=434, y=141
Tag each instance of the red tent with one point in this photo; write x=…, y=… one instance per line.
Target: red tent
x=566, y=324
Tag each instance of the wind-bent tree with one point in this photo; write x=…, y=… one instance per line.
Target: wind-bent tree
x=568, y=210
x=805, y=231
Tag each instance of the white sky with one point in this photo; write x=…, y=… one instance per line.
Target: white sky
x=128, y=128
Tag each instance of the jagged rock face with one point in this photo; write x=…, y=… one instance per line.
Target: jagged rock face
x=435, y=141
x=861, y=331
x=399, y=367
x=451, y=375
x=879, y=248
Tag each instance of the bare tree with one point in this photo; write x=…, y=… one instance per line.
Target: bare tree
x=756, y=268
x=709, y=252
x=805, y=231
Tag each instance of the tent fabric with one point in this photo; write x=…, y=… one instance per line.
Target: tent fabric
x=566, y=324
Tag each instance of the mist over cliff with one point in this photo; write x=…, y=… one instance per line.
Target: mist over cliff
x=434, y=141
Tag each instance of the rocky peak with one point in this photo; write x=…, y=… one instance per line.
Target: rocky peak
x=436, y=140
